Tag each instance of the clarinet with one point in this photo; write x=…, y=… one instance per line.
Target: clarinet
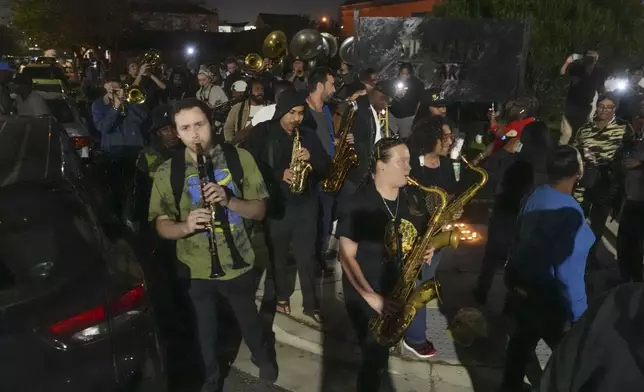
x=215, y=265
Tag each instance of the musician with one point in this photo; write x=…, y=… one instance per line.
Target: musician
x=367, y=130
x=371, y=267
x=318, y=116
x=150, y=84
x=183, y=221
x=209, y=92
x=266, y=113
x=292, y=218
x=233, y=74
x=120, y=126
x=241, y=114
x=298, y=77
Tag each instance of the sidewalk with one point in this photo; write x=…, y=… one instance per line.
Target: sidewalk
x=477, y=367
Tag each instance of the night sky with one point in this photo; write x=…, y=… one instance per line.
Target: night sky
x=247, y=10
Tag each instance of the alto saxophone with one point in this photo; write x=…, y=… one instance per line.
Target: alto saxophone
x=345, y=156
x=389, y=328
x=300, y=168
x=216, y=271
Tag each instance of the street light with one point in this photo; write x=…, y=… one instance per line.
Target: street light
x=324, y=19
x=190, y=50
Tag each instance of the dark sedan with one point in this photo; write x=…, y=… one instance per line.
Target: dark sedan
x=74, y=309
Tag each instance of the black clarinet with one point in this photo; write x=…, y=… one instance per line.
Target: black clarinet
x=215, y=265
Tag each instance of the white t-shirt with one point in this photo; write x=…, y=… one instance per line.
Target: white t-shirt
x=213, y=95
x=33, y=105
x=265, y=113
x=254, y=109
x=379, y=134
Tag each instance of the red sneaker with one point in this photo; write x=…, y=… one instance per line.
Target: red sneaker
x=422, y=351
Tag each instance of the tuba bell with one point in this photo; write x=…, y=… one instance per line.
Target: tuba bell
x=275, y=48
x=347, y=51
x=307, y=44
x=330, y=45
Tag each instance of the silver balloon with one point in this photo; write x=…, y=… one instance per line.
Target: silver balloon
x=307, y=44
x=330, y=45
x=347, y=51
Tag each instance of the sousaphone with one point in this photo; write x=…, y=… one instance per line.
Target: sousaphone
x=330, y=45
x=307, y=44
x=348, y=52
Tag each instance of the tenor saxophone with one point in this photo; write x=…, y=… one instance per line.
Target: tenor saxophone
x=389, y=328
x=300, y=168
x=345, y=156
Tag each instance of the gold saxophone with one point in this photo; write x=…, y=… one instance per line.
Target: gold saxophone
x=345, y=156
x=300, y=168
x=389, y=328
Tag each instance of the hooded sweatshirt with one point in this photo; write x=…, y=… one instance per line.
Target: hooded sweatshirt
x=272, y=146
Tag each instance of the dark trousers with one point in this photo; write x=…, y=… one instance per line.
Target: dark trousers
x=373, y=372
x=534, y=320
x=326, y=204
x=576, y=116
x=630, y=241
x=501, y=230
x=297, y=229
x=121, y=172
x=240, y=294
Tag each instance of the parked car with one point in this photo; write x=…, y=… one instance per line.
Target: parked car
x=47, y=71
x=63, y=108
x=74, y=308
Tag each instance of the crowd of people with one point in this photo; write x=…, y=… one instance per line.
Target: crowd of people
x=246, y=126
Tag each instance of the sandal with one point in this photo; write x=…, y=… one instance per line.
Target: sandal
x=316, y=315
x=283, y=307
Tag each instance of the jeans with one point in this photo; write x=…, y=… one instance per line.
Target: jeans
x=415, y=333
x=373, y=370
x=630, y=241
x=240, y=294
x=297, y=228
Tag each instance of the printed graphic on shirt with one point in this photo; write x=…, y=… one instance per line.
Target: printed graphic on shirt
x=408, y=235
x=224, y=178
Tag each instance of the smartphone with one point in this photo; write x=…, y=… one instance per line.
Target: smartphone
x=576, y=56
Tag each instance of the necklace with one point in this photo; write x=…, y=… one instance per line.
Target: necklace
x=393, y=216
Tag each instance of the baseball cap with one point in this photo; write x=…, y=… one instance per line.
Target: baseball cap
x=435, y=97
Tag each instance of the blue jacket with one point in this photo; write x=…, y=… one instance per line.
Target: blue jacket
x=118, y=131
x=552, y=246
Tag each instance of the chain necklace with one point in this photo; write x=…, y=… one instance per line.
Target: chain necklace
x=393, y=216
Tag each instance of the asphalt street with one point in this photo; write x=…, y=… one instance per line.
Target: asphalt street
x=238, y=381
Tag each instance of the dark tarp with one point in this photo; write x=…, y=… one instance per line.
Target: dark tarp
x=604, y=351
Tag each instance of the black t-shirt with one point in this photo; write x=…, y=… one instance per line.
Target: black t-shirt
x=584, y=85
x=443, y=176
x=364, y=219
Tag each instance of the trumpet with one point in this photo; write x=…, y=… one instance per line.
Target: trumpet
x=133, y=95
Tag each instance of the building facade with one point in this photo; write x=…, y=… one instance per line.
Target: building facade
x=384, y=8
x=173, y=17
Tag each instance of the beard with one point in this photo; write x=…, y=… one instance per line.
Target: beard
x=258, y=99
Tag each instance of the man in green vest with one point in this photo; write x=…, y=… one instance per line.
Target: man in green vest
x=163, y=143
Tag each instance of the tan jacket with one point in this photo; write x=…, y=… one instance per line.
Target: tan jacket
x=234, y=123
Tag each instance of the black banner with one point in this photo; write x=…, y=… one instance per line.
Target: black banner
x=470, y=60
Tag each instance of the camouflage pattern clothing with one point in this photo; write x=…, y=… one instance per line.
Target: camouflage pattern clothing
x=193, y=250
x=601, y=146
x=149, y=161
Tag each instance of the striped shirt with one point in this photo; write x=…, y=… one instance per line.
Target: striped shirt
x=601, y=146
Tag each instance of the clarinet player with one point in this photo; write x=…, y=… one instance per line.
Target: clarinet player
x=234, y=187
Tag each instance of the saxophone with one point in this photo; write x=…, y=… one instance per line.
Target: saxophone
x=345, y=156
x=389, y=328
x=301, y=169
x=216, y=271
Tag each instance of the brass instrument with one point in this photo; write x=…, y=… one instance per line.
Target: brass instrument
x=216, y=270
x=254, y=63
x=275, y=47
x=389, y=328
x=345, y=154
x=330, y=45
x=151, y=57
x=347, y=51
x=307, y=44
x=383, y=121
x=133, y=95
x=300, y=168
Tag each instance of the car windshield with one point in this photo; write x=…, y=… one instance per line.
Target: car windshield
x=44, y=73
x=60, y=109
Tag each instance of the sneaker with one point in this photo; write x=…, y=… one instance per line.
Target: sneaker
x=422, y=351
